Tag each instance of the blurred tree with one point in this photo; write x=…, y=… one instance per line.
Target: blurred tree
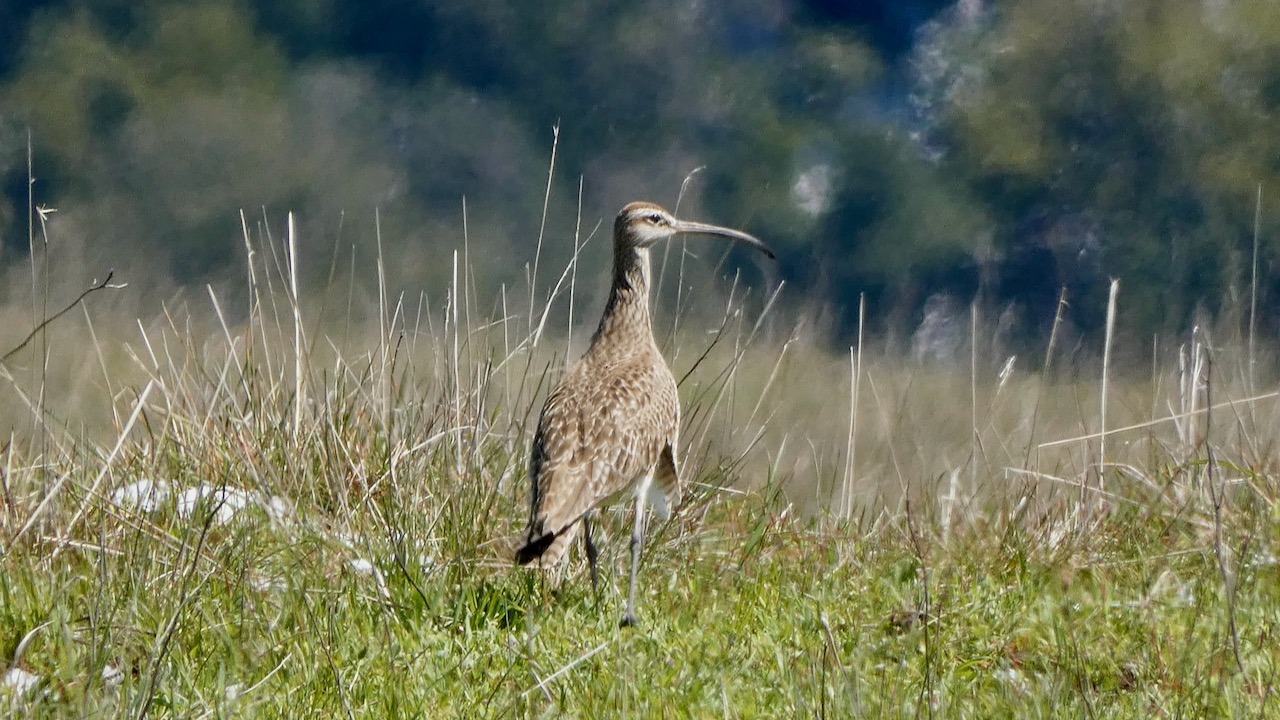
x=1038, y=143
x=151, y=116
x=156, y=124
x=1136, y=131
x=889, y=25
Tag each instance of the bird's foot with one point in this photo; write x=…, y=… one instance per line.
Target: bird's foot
x=628, y=620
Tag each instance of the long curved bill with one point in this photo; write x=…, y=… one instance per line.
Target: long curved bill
x=688, y=226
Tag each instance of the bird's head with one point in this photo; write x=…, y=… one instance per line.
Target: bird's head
x=642, y=224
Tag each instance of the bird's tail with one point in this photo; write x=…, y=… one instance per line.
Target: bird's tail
x=534, y=549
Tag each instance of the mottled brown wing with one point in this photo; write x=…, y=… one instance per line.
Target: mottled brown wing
x=558, y=486
x=637, y=418
x=602, y=427
x=666, y=478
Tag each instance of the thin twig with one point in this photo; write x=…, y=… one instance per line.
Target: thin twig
x=1161, y=421
x=542, y=684
x=104, y=285
x=1218, y=496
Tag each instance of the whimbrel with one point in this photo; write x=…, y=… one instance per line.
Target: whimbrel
x=609, y=429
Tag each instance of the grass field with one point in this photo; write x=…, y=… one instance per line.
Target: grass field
x=279, y=514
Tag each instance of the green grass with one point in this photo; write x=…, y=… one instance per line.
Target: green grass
x=744, y=612
x=983, y=572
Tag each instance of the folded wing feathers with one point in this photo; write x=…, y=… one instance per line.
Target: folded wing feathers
x=599, y=431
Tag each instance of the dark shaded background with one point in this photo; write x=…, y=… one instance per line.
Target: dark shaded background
x=905, y=150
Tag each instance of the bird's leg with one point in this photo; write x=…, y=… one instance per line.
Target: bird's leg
x=592, y=555
x=637, y=539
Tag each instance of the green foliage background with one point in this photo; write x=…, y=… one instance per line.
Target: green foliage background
x=999, y=149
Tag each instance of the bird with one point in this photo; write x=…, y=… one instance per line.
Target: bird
x=609, y=429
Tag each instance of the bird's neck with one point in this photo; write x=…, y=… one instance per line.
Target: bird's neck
x=626, y=315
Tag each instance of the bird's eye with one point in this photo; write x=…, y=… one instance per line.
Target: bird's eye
x=656, y=219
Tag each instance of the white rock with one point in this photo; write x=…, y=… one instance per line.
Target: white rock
x=1013, y=678
x=262, y=583
x=278, y=509
x=144, y=495
x=228, y=500
x=364, y=567
x=19, y=682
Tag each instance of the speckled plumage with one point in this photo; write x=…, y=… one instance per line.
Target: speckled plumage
x=610, y=426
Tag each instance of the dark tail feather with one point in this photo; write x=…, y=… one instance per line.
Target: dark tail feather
x=534, y=548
